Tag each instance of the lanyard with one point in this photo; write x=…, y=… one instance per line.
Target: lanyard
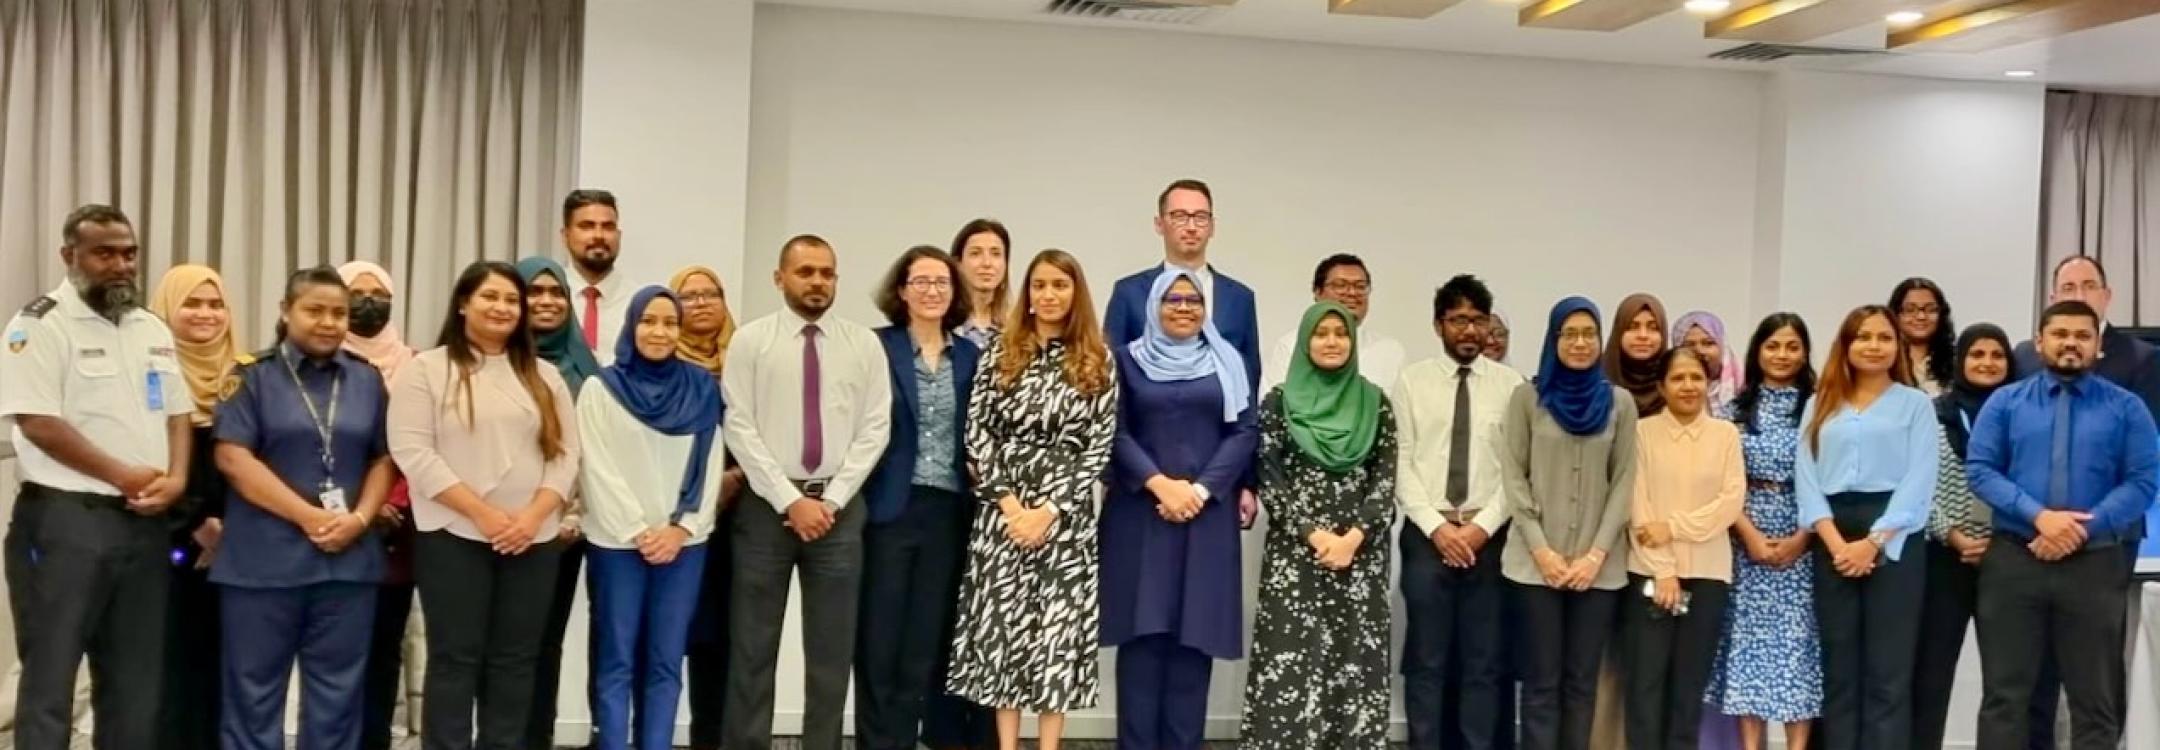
x=323, y=427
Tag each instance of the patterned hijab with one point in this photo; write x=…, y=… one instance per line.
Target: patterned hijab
x=210, y=368
x=386, y=350
x=1638, y=376
x=708, y=351
x=1333, y=415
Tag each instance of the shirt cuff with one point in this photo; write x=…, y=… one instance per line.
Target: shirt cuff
x=1425, y=517
x=1490, y=518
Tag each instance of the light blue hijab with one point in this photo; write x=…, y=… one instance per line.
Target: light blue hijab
x=1169, y=360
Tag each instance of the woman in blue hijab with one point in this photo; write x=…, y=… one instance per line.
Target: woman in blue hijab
x=651, y=487
x=1171, y=577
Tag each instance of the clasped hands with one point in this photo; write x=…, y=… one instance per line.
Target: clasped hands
x=1333, y=551
x=1176, y=500
x=1568, y=575
x=1025, y=527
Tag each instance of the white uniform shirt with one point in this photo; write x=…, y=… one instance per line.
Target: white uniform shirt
x=61, y=359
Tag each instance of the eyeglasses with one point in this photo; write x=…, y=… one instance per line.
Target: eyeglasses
x=2088, y=287
x=1466, y=322
x=1573, y=337
x=1183, y=301
x=699, y=298
x=1920, y=311
x=1341, y=286
x=1200, y=219
x=929, y=284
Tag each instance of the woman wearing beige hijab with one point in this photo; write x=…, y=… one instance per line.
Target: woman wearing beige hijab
x=707, y=327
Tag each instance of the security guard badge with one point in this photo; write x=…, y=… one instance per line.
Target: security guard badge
x=17, y=340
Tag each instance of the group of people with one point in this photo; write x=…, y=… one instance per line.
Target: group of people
x=979, y=495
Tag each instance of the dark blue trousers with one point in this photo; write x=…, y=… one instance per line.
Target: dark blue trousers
x=1162, y=689
x=640, y=610
x=327, y=627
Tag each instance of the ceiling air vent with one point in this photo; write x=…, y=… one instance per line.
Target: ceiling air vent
x=1775, y=52
x=1183, y=12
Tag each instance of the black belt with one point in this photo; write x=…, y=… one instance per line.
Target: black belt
x=811, y=487
x=92, y=500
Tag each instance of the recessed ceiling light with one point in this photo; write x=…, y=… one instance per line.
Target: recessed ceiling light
x=1708, y=6
x=2021, y=73
x=1905, y=17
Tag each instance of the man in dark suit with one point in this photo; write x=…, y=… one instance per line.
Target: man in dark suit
x=2125, y=361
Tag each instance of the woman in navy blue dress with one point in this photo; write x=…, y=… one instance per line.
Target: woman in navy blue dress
x=1171, y=598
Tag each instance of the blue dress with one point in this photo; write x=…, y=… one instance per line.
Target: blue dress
x=1769, y=664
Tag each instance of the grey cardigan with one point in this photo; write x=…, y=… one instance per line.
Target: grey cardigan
x=1569, y=493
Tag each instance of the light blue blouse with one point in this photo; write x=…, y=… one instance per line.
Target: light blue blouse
x=1890, y=447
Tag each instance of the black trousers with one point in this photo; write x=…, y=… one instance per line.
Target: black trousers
x=1565, y=637
x=87, y=578
x=910, y=584
x=1870, y=634
x=2047, y=692
x=486, y=615
x=1945, y=614
x=2073, y=609
x=951, y=722
x=1454, y=635
x=768, y=558
x=188, y=712
x=385, y=664
x=706, y=677
x=1666, y=662
x=547, y=671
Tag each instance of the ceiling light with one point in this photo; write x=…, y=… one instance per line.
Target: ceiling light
x=2021, y=73
x=1707, y=6
x=1905, y=17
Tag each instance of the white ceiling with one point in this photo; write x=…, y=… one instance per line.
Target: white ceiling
x=2119, y=58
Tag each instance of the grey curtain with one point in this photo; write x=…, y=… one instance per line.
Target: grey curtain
x=2100, y=195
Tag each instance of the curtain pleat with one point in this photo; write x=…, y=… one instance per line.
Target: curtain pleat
x=261, y=136
x=2101, y=194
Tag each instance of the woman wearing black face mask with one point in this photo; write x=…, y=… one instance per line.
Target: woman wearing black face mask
x=372, y=336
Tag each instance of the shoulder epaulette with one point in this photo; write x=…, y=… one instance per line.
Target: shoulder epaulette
x=261, y=356
x=245, y=359
x=38, y=307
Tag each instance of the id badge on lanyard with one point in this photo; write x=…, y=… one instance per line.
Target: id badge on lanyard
x=331, y=496
x=154, y=391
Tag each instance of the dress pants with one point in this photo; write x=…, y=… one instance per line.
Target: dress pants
x=1870, y=635
x=386, y=663
x=1945, y=614
x=641, y=626
x=951, y=722
x=486, y=614
x=547, y=671
x=2074, y=609
x=910, y=584
x=87, y=578
x=1453, y=636
x=327, y=627
x=1162, y=690
x=768, y=557
x=708, y=648
x=1666, y=662
x=188, y=712
x=1564, y=644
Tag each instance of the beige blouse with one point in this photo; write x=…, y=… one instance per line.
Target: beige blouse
x=1569, y=493
x=1692, y=478
x=497, y=456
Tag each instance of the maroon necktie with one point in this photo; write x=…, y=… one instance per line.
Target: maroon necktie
x=813, y=411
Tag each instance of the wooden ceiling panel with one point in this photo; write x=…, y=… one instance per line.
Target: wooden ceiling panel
x=1390, y=8
x=1977, y=27
x=1800, y=21
x=1593, y=15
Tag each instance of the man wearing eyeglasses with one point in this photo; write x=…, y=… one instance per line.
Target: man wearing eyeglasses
x=1342, y=279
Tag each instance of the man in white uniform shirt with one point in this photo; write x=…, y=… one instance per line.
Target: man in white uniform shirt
x=92, y=388
x=1342, y=279
x=809, y=412
x=1448, y=412
x=599, y=297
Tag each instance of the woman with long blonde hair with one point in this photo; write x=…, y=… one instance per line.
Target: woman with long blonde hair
x=1044, y=415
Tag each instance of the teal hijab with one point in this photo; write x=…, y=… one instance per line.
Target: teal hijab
x=564, y=347
x=1333, y=415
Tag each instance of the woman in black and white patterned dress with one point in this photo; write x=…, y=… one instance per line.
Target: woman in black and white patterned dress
x=1045, y=411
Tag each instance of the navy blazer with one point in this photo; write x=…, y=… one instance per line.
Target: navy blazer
x=1234, y=310
x=892, y=480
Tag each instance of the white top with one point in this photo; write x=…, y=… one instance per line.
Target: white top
x=1424, y=432
x=633, y=474
x=615, y=296
x=765, y=405
x=497, y=456
x=69, y=362
x=1380, y=358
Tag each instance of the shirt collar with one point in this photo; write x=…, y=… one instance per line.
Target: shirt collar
x=1206, y=272
x=305, y=363
x=1691, y=432
x=69, y=300
x=2076, y=385
x=610, y=286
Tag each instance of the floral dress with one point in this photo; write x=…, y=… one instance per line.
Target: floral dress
x=1028, y=624
x=1319, y=677
x=1769, y=664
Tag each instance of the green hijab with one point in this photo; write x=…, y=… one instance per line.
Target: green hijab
x=1334, y=416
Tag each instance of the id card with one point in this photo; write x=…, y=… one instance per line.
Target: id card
x=154, y=384
x=333, y=500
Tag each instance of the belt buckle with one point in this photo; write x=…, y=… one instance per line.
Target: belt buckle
x=813, y=487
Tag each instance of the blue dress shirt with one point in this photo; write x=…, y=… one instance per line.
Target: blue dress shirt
x=1889, y=447
x=2084, y=444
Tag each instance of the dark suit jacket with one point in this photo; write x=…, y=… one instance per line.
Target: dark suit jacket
x=892, y=480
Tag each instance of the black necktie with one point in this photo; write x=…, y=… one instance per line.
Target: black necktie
x=1458, y=460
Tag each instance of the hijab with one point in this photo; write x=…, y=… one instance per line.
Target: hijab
x=1333, y=415
x=1960, y=404
x=708, y=351
x=671, y=396
x=1639, y=377
x=1169, y=360
x=565, y=346
x=386, y=350
x=1580, y=400
x=1726, y=375
x=1500, y=318
x=210, y=368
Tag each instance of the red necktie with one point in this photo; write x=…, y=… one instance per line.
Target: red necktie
x=592, y=317
x=813, y=408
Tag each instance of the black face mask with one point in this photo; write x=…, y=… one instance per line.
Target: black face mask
x=370, y=315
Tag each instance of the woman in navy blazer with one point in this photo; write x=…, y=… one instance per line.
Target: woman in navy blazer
x=915, y=545
x=1172, y=594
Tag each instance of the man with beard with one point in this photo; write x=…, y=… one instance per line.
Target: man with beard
x=93, y=388
x=809, y=410
x=2068, y=462
x=599, y=297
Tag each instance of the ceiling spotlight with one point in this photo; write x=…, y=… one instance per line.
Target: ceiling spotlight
x=2021, y=73
x=1905, y=17
x=1707, y=6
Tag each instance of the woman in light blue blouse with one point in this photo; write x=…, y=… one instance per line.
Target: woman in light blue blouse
x=1865, y=473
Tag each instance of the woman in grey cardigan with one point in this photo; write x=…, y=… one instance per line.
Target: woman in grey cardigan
x=1570, y=468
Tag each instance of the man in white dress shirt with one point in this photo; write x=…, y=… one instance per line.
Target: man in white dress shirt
x=809, y=411
x=599, y=297
x=1342, y=279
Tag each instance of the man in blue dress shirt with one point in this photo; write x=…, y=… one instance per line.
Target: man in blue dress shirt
x=2068, y=462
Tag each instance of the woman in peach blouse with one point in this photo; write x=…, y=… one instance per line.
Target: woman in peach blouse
x=1689, y=481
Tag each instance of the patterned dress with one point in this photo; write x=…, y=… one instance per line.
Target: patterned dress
x=1769, y=664
x=1319, y=677
x=1029, y=620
